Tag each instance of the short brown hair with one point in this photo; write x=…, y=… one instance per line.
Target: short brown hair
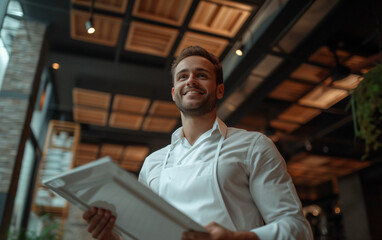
x=199, y=51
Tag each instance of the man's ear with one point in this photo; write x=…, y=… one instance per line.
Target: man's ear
x=172, y=93
x=220, y=91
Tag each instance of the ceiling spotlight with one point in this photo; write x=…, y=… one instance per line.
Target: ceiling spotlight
x=89, y=26
x=239, y=50
x=55, y=66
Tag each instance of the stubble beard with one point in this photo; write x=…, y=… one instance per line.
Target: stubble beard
x=204, y=107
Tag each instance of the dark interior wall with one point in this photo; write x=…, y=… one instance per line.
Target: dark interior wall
x=371, y=180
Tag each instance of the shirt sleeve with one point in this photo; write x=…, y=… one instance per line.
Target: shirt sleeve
x=274, y=194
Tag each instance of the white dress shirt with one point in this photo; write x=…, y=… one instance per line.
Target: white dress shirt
x=258, y=193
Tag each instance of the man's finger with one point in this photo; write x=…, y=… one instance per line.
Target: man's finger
x=101, y=224
x=107, y=231
x=89, y=214
x=94, y=221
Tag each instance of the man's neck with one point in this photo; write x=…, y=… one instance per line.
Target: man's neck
x=194, y=127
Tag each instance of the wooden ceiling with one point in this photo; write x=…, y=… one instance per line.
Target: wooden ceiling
x=124, y=111
x=221, y=18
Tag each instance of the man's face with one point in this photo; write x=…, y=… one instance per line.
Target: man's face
x=195, y=91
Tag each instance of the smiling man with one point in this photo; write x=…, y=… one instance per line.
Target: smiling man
x=232, y=181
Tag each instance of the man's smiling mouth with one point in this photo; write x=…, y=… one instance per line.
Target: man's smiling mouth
x=193, y=91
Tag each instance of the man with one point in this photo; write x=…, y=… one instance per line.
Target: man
x=231, y=181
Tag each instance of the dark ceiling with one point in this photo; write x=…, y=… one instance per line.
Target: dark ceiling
x=350, y=27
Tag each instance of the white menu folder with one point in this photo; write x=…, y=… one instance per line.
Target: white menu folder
x=141, y=213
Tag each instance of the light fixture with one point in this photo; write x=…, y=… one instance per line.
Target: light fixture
x=55, y=66
x=239, y=50
x=89, y=24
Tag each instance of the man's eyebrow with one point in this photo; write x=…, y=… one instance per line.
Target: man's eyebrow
x=182, y=71
x=197, y=69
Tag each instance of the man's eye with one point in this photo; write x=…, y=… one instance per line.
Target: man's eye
x=181, y=77
x=202, y=75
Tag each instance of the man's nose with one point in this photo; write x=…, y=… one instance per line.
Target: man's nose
x=192, y=80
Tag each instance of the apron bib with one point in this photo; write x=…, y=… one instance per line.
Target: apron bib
x=194, y=190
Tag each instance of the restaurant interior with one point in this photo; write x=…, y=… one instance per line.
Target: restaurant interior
x=84, y=79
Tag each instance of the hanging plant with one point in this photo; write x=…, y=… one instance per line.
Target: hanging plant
x=366, y=102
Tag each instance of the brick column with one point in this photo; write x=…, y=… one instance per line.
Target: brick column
x=17, y=98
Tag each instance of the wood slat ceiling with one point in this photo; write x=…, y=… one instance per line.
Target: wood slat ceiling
x=212, y=44
x=220, y=17
x=311, y=170
x=129, y=157
x=107, y=28
x=128, y=112
x=323, y=56
x=323, y=97
x=85, y=153
x=125, y=120
x=118, y=6
x=284, y=125
x=159, y=124
x=130, y=104
x=114, y=151
x=133, y=157
x=150, y=39
x=319, y=91
x=90, y=115
x=290, y=90
x=91, y=98
x=299, y=114
x=310, y=73
x=172, y=12
x=164, y=109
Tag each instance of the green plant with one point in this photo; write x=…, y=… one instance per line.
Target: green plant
x=366, y=102
x=49, y=231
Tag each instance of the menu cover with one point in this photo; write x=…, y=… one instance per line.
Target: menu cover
x=141, y=213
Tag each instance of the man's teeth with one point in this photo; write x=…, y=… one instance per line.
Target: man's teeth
x=193, y=92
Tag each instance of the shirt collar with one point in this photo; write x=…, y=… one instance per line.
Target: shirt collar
x=218, y=124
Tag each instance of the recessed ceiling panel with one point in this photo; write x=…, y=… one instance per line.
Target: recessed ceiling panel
x=90, y=115
x=290, y=90
x=150, y=39
x=283, y=125
x=312, y=170
x=124, y=120
x=158, y=124
x=107, y=28
x=114, y=151
x=214, y=45
x=135, y=153
x=166, y=11
x=323, y=97
x=85, y=153
x=324, y=56
x=220, y=17
x=348, y=83
x=118, y=6
x=299, y=114
x=130, y=104
x=91, y=98
x=310, y=73
x=164, y=109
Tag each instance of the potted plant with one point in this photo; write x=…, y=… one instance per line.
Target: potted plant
x=49, y=231
x=366, y=101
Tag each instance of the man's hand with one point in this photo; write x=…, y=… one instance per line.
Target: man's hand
x=101, y=223
x=218, y=232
